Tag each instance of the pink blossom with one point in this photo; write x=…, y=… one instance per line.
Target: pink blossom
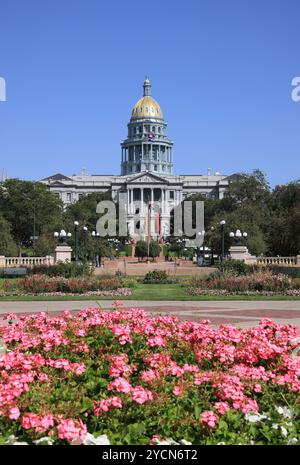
x=210, y=418
x=177, y=391
x=120, y=385
x=141, y=395
x=222, y=407
x=14, y=413
x=71, y=430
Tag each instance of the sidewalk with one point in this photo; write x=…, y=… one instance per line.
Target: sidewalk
x=241, y=313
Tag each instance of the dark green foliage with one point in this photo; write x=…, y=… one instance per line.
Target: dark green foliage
x=236, y=267
x=66, y=270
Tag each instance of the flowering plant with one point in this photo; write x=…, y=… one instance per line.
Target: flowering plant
x=131, y=378
x=265, y=283
x=58, y=285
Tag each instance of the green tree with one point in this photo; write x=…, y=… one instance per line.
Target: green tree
x=7, y=245
x=154, y=249
x=247, y=188
x=84, y=210
x=30, y=208
x=45, y=245
x=141, y=249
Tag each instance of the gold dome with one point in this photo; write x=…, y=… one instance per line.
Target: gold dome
x=146, y=107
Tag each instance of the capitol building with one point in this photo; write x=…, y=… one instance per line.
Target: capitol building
x=146, y=176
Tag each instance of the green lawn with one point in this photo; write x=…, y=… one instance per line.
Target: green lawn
x=151, y=292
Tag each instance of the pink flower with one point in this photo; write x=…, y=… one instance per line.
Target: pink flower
x=149, y=375
x=222, y=407
x=106, y=404
x=72, y=430
x=14, y=413
x=141, y=395
x=257, y=388
x=120, y=385
x=177, y=391
x=156, y=341
x=210, y=418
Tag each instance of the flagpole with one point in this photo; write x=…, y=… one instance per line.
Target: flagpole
x=149, y=228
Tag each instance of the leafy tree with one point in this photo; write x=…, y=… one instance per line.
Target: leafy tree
x=141, y=249
x=7, y=245
x=84, y=210
x=45, y=245
x=245, y=188
x=30, y=208
x=154, y=249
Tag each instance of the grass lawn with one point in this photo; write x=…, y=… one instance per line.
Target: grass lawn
x=151, y=292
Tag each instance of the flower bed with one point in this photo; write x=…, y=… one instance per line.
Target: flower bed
x=260, y=283
x=48, y=285
x=137, y=379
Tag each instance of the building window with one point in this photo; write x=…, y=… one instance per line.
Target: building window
x=153, y=128
x=69, y=197
x=155, y=167
x=137, y=211
x=80, y=196
x=159, y=130
x=171, y=195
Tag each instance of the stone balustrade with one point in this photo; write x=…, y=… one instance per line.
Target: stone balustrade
x=12, y=262
x=281, y=261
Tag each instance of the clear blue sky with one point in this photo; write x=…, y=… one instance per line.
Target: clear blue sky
x=221, y=70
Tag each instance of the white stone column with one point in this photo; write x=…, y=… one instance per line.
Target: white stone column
x=142, y=201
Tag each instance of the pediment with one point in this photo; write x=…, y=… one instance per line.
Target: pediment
x=57, y=177
x=148, y=178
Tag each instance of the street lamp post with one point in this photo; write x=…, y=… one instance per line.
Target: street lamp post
x=85, y=234
x=222, y=224
x=76, y=224
x=62, y=236
x=96, y=236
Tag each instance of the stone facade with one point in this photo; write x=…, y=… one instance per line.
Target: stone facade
x=146, y=174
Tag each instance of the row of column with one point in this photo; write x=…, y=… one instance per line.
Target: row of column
x=125, y=154
x=143, y=203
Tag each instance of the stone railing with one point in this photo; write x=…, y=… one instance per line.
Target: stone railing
x=14, y=262
x=281, y=261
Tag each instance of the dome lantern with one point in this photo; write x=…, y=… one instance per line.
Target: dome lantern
x=147, y=87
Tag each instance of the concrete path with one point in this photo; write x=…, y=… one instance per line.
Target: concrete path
x=241, y=313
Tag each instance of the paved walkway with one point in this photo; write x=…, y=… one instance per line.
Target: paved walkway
x=241, y=313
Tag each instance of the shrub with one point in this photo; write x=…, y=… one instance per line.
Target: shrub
x=156, y=276
x=260, y=281
x=236, y=267
x=67, y=270
x=154, y=249
x=40, y=284
x=129, y=282
x=141, y=249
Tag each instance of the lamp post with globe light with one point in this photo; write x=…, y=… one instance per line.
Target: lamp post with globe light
x=85, y=236
x=96, y=237
x=238, y=236
x=62, y=236
x=76, y=225
x=222, y=224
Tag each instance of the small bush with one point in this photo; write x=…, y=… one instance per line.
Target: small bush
x=129, y=282
x=236, y=267
x=66, y=270
x=157, y=277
